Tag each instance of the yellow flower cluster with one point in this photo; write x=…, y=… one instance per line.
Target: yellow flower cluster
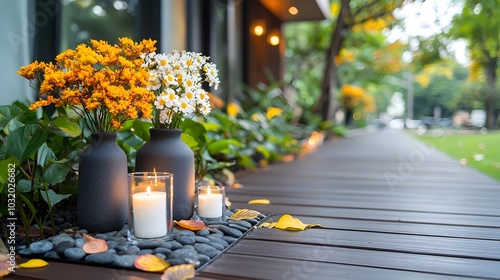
x=104, y=84
x=355, y=98
x=352, y=96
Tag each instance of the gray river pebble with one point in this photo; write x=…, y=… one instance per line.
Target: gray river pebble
x=79, y=242
x=185, y=239
x=161, y=250
x=184, y=254
x=41, y=247
x=74, y=254
x=230, y=231
x=160, y=255
x=173, y=262
x=206, y=249
x=229, y=239
x=145, y=252
x=125, y=260
x=243, y=223
x=217, y=246
x=203, y=232
x=149, y=244
x=218, y=240
x=172, y=245
x=101, y=258
x=200, y=239
x=238, y=227
x=203, y=258
x=51, y=255
x=253, y=221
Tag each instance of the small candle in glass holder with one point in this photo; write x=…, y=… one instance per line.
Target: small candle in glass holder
x=210, y=202
x=150, y=206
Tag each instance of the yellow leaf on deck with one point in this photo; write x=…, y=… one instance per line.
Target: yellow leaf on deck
x=34, y=263
x=268, y=224
x=151, y=263
x=259, y=201
x=244, y=214
x=288, y=222
x=179, y=272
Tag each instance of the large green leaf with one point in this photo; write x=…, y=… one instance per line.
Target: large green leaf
x=189, y=140
x=196, y=130
x=45, y=154
x=65, y=127
x=56, y=172
x=52, y=198
x=211, y=126
x=264, y=151
x=219, y=146
x=8, y=166
x=12, y=125
x=24, y=186
x=7, y=113
x=141, y=129
x=23, y=142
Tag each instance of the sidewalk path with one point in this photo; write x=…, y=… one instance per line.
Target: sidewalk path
x=393, y=208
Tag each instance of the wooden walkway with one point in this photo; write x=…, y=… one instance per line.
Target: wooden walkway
x=392, y=208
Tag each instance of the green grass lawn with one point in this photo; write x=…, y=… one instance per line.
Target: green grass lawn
x=480, y=151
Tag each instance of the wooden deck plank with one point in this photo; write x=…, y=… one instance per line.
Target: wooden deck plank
x=413, y=244
x=464, y=232
x=379, y=215
x=369, y=258
x=365, y=202
x=271, y=268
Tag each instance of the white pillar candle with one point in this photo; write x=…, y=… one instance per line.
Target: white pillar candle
x=210, y=205
x=150, y=214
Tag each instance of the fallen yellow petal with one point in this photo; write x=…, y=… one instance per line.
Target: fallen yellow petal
x=34, y=263
x=287, y=222
x=244, y=214
x=259, y=201
x=268, y=224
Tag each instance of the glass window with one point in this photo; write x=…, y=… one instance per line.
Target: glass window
x=82, y=20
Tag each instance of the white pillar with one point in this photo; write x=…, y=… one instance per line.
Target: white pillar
x=173, y=25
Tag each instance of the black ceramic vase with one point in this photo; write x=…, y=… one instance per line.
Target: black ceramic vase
x=166, y=152
x=102, y=197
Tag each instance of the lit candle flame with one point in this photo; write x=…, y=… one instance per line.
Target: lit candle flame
x=209, y=192
x=148, y=190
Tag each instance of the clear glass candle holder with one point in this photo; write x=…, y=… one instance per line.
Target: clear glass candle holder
x=150, y=214
x=209, y=203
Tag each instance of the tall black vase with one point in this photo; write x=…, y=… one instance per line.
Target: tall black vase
x=166, y=152
x=102, y=197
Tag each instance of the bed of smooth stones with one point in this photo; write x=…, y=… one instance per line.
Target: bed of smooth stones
x=185, y=246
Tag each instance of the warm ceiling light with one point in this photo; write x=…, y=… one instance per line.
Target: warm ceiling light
x=258, y=27
x=258, y=30
x=273, y=38
x=293, y=10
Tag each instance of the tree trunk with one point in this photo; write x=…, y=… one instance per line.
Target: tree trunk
x=324, y=105
x=491, y=100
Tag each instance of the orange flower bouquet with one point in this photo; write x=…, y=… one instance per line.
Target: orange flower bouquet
x=104, y=84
